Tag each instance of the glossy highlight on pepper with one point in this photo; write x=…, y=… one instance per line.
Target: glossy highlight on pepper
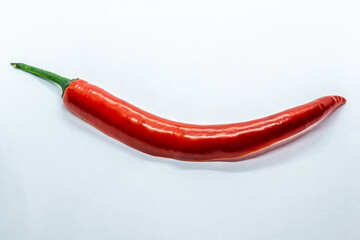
x=158, y=136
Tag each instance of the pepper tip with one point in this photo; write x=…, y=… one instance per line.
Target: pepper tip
x=339, y=100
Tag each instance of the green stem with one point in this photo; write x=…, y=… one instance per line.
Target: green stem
x=51, y=77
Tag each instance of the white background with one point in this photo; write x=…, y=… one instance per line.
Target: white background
x=191, y=61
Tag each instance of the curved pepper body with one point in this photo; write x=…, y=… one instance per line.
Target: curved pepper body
x=161, y=137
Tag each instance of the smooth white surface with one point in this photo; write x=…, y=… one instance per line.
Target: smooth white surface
x=191, y=61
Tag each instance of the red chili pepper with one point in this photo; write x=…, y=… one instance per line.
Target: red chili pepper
x=161, y=137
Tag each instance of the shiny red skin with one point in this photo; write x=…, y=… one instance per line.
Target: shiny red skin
x=189, y=142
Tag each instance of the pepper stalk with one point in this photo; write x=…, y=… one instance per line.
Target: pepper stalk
x=49, y=76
